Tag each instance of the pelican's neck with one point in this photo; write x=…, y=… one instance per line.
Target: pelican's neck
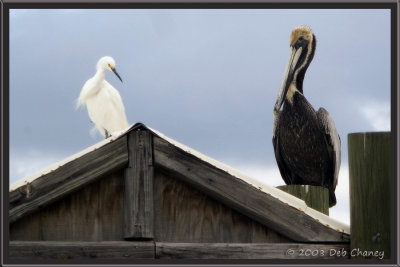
x=300, y=75
x=299, y=80
x=291, y=91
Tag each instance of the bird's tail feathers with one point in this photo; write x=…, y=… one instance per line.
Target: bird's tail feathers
x=78, y=103
x=94, y=132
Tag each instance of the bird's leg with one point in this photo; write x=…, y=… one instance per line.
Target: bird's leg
x=106, y=133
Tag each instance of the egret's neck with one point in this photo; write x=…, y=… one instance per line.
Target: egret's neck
x=99, y=76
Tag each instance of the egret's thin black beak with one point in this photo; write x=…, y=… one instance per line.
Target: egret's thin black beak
x=116, y=73
x=294, y=56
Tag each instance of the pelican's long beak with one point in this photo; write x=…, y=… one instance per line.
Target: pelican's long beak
x=116, y=73
x=294, y=56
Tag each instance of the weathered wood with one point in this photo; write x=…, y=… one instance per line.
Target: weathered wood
x=250, y=251
x=46, y=250
x=128, y=250
x=369, y=175
x=241, y=196
x=138, y=203
x=184, y=214
x=316, y=197
x=93, y=213
x=68, y=178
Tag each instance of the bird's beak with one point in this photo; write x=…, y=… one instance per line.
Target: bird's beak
x=292, y=65
x=116, y=73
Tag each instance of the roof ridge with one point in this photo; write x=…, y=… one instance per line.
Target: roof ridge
x=265, y=188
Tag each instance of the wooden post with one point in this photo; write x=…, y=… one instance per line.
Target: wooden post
x=369, y=175
x=138, y=200
x=316, y=197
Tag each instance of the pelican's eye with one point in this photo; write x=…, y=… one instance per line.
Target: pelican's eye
x=110, y=66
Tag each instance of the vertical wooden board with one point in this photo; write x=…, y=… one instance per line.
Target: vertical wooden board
x=184, y=214
x=138, y=196
x=93, y=213
x=27, y=228
x=369, y=176
x=316, y=197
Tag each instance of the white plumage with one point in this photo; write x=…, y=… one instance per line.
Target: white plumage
x=104, y=104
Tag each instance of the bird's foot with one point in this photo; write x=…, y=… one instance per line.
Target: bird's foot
x=107, y=134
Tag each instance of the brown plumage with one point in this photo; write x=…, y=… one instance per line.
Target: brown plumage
x=306, y=143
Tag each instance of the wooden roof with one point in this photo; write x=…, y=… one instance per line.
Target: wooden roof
x=265, y=204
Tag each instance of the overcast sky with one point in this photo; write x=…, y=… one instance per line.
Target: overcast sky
x=206, y=78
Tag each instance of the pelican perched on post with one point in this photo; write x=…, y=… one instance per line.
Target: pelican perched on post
x=306, y=143
x=103, y=102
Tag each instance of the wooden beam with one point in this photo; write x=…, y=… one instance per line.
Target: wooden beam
x=316, y=197
x=241, y=196
x=369, y=176
x=56, y=250
x=251, y=251
x=128, y=250
x=138, y=203
x=68, y=178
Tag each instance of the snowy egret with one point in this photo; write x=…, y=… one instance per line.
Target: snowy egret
x=103, y=102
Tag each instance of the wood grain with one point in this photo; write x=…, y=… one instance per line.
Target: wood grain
x=251, y=251
x=68, y=178
x=369, y=176
x=94, y=213
x=242, y=197
x=126, y=250
x=184, y=214
x=138, y=201
x=113, y=250
x=316, y=197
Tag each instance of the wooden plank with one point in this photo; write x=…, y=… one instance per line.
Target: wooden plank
x=138, y=211
x=316, y=197
x=369, y=175
x=27, y=228
x=68, y=178
x=115, y=250
x=93, y=213
x=185, y=214
x=251, y=251
x=241, y=196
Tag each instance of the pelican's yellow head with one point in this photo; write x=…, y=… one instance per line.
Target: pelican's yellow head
x=303, y=32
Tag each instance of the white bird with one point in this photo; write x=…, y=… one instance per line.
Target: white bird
x=103, y=102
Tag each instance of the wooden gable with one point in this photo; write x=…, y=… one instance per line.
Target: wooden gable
x=142, y=187
x=181, y=214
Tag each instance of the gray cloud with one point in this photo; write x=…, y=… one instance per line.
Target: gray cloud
x=207, y=78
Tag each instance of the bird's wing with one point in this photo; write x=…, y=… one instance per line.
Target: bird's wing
x=85, y=93
x=106, y=109
x=97, y=107
x=333, y=140
x=283, y=169
x=117, y=107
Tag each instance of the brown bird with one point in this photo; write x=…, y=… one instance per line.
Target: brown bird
x=306, y=143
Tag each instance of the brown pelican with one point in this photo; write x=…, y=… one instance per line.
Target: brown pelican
x=306, y=143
